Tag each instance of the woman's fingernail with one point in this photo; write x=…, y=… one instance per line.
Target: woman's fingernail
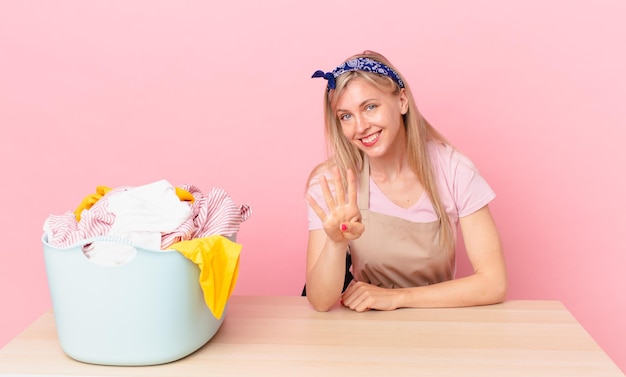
x=343, y=227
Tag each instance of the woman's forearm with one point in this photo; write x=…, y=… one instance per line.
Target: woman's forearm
x=325, y=276
x=476, y=289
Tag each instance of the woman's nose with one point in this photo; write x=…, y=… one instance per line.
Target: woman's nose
x=360, y=123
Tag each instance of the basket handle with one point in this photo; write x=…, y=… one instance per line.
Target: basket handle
x=119, y=251
x=104, y=238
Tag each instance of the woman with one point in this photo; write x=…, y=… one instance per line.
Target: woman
x=392, y=194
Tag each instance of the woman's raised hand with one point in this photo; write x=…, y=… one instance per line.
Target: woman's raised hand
x=343, y=220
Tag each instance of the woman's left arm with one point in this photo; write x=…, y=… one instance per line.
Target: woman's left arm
x=484, y=250
x=487, y=285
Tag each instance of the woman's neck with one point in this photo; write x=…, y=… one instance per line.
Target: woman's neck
x=390, y=166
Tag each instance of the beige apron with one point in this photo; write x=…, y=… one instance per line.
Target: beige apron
x=397, y=253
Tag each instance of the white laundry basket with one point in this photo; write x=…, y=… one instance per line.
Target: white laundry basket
x=148, y=311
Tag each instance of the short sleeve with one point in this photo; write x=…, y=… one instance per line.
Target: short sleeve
x=463, y=188
x=314, y=189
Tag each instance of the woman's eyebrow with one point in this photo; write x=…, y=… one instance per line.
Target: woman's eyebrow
x=360, y=105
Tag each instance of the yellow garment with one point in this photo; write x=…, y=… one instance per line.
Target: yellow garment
x=184, y=195
x=91, y=199
x=218, y=259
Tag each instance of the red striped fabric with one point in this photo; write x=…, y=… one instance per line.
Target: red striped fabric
x=212, y=213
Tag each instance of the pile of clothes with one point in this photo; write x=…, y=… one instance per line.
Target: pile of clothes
x=158, y=217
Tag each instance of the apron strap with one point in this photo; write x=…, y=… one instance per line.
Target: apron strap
x=364, y=185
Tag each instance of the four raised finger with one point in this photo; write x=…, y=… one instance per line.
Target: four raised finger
x=316, y=207
x=328, y=196
x=351, y=187
x=339, y=190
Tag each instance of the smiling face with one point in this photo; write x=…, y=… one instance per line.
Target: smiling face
x=371, y=118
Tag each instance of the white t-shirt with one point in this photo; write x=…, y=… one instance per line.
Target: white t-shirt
x=462, y=189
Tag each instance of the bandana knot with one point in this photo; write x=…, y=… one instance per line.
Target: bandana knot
x=328, y=76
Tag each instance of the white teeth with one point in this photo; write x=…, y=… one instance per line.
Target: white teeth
x=370, y=138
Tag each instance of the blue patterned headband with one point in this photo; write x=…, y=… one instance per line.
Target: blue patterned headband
x=359, y=64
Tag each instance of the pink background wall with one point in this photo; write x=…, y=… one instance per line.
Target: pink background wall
x=219, y=94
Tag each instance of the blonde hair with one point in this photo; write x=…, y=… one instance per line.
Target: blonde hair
x=346, y=155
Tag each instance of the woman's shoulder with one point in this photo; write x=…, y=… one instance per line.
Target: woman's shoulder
x=322, y=169
x=447, y=156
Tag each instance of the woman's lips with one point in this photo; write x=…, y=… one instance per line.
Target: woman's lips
x=371, y=139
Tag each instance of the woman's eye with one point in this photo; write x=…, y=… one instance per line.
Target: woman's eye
x=370, y=107
x=344, y=117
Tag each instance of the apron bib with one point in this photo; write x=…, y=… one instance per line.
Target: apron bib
x=397, y=253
